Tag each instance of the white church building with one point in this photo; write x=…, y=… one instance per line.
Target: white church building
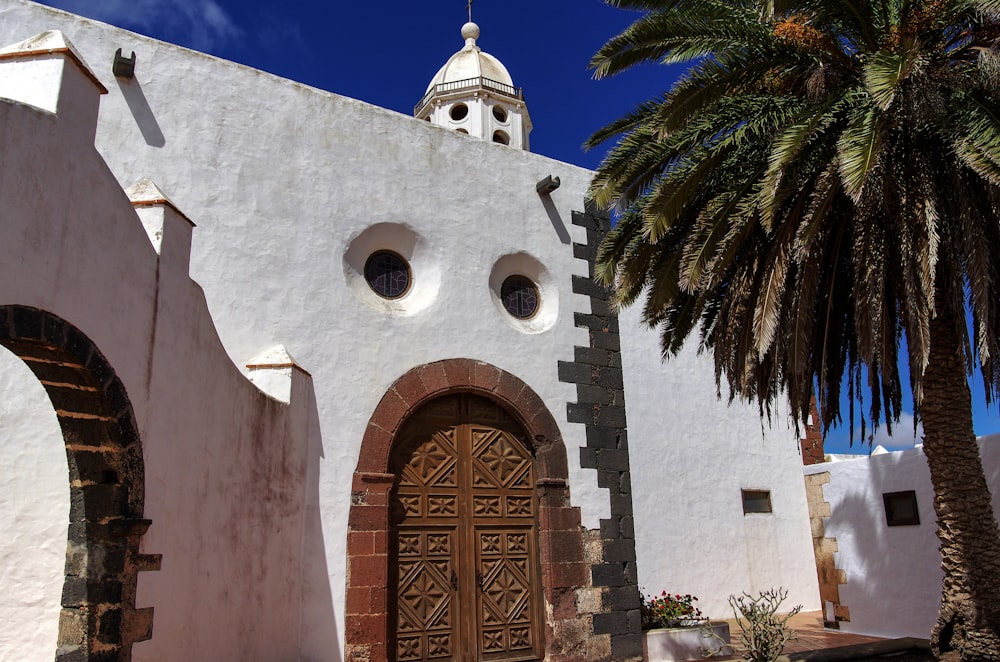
x=309, y=379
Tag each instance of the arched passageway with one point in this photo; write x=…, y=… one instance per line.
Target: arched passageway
x=98, y=619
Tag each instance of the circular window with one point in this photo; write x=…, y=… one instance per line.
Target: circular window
x=459, y=111
x=501, y=137
x=387, y=274
x=500, y=113
x=519, y=296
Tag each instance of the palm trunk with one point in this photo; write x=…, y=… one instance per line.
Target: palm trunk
x=968, y=626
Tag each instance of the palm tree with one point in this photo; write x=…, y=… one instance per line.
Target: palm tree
x=820, y=186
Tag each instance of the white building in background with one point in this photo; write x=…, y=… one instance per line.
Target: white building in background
x=875, y=534
x=366, y=409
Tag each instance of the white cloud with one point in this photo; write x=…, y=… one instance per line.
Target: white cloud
x=902, y=434
x=200, y=24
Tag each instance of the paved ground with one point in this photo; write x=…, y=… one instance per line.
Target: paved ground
x=816, y=643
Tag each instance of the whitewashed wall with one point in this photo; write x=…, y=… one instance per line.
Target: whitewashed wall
x=225, y=463
x=33, y=515
x=281, y=179
x=290, y=188
x=691, y=455
x=893, y=573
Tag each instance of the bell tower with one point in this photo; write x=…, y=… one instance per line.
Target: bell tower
x=473, y=93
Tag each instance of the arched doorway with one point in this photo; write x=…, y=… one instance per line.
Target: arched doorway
x=464, y=536
x=370, y=627
x=98, y=619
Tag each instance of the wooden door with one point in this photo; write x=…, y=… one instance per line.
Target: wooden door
x=465, y=536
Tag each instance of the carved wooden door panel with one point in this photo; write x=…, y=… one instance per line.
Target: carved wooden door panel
x=465, y=535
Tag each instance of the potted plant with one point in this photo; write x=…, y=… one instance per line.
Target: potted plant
x=675, y=629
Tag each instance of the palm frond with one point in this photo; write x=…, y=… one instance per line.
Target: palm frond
x=857, y=150
x=677, y=35
x=883, y=73
x=798, y=194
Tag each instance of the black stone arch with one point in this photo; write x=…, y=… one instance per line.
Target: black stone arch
x=99, y=620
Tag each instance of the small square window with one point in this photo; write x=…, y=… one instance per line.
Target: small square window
x=756, y=501
x=901, y=508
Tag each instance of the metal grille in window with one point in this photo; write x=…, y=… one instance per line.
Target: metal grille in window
x=387, y=274
x=519, y=296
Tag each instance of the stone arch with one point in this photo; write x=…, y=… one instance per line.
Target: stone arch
x=563, y=570
x=98, y=620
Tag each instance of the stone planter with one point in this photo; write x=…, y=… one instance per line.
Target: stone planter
x=685, y=643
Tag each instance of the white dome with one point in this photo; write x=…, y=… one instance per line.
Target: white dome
x=474, y=94
x=471, y=62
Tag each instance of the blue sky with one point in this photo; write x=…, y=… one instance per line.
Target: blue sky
x=385, y=53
